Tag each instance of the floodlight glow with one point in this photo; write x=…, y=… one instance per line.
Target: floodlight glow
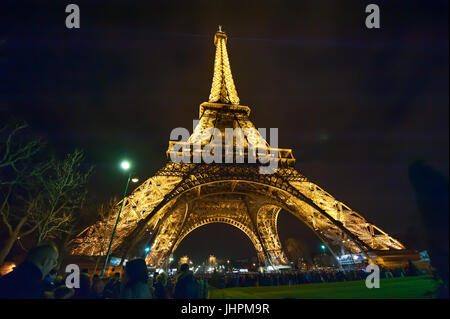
x=135, y=180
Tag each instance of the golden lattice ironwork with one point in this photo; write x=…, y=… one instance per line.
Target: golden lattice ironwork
x=184, y=196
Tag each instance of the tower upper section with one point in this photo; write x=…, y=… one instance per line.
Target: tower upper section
x=223, y=112
x=222, y=89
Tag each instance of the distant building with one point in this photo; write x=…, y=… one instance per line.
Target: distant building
x=212, y=261
x=184, y=260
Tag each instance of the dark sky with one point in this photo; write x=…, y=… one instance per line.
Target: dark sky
x=357, y=106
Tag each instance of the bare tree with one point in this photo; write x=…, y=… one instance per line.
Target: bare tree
x=64, y=189
x=18, y=173
x=37, y=194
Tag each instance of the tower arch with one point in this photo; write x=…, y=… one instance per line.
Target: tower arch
x=223, y=220
x=256, y=205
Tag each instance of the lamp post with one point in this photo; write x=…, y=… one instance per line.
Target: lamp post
x=321, y=258
x=125, y=166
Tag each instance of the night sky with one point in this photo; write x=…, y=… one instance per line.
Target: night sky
x=357, y=106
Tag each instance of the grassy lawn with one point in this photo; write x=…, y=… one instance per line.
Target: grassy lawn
x=408, y=288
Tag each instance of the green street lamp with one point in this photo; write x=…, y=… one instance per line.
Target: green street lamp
x=125, y=165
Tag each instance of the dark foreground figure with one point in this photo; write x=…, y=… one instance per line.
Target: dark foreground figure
x=136, y=286
x=26, y=281
x=186, y=286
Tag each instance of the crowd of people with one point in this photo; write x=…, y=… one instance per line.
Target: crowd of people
x=36, y=277
x=297, y=277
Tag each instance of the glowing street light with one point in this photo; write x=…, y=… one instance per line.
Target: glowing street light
x=323, y=247
x=135, y=180
x=125, y=165
x=147, y=249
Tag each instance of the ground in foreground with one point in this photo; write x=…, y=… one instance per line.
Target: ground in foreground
x=394, y=288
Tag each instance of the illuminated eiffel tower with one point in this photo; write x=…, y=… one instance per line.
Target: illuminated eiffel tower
x=181, y=197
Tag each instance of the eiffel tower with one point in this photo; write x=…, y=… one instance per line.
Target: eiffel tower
x=183, y=196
